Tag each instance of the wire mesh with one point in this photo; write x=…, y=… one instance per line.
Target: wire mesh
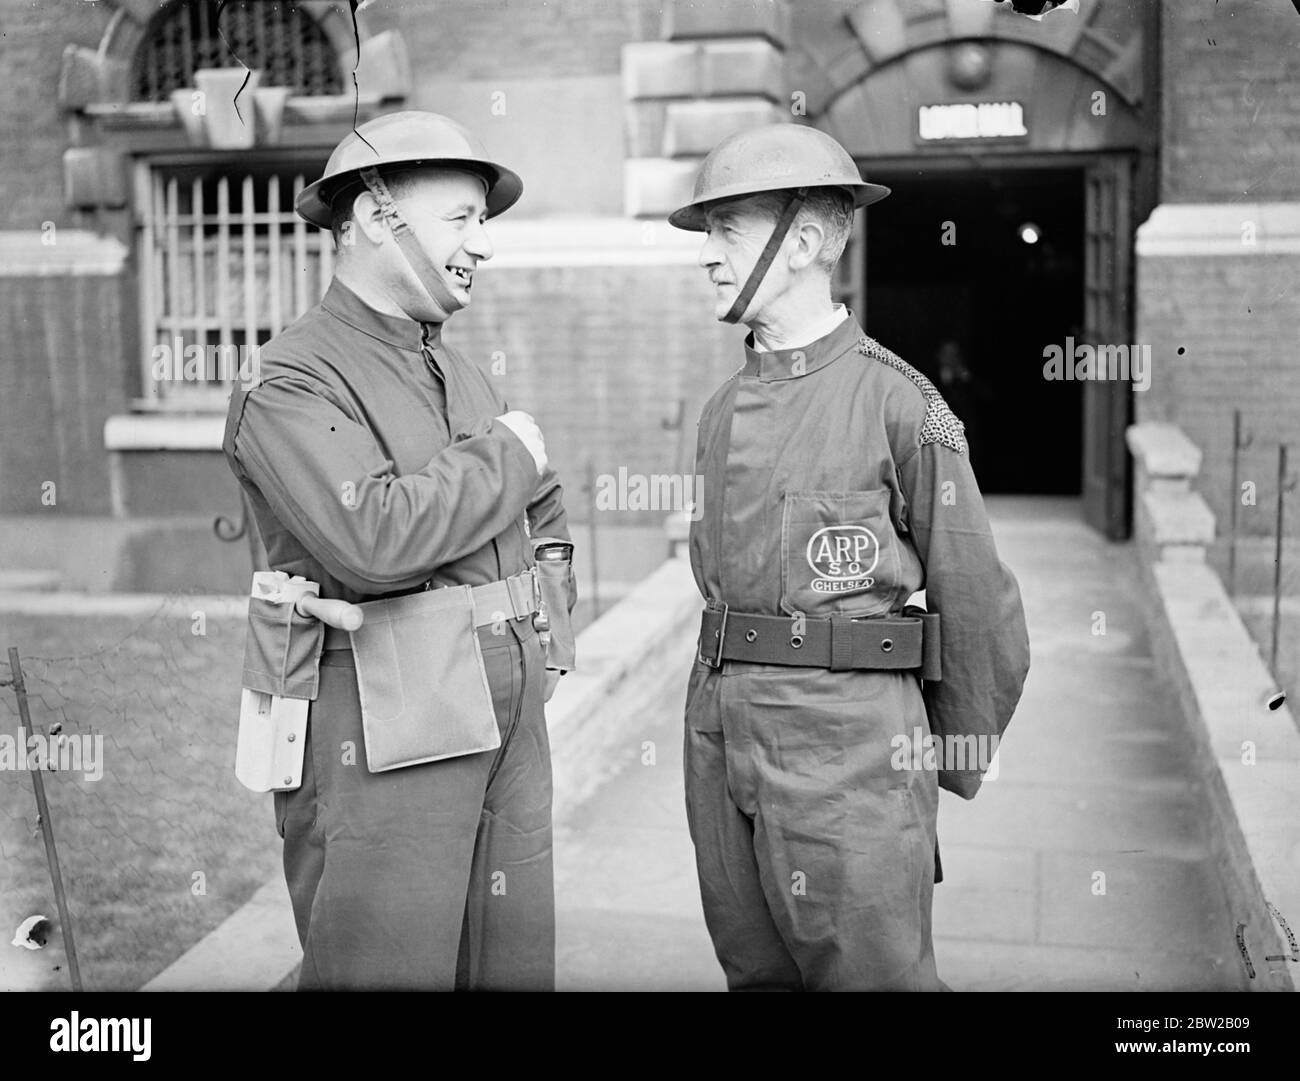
x=157, y=840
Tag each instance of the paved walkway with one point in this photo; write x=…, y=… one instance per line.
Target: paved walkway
x=1094, y=780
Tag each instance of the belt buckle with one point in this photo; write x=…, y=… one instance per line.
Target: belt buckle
x=716, y=660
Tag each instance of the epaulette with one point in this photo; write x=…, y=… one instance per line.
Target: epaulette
x=941, y=424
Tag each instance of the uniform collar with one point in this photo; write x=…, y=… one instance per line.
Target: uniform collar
x=342, y=303
x=797, y=362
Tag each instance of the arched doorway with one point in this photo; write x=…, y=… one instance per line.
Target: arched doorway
x=1022, y=158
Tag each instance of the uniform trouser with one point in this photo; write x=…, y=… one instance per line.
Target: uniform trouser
x=435, y=876
x=816, y=857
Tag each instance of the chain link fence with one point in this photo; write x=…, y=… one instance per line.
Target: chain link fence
x=134, y=705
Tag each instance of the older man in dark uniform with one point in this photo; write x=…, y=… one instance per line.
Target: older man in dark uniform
x=839, y=486
x=380, y=462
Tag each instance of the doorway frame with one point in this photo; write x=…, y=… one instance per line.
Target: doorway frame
x=1099, y=409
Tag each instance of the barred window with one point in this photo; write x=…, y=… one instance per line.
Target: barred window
x=280, y=39
x=225, y=264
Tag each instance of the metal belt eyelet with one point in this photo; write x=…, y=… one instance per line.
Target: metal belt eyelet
x=886, y=644
x=751, y=635
x=796, y=640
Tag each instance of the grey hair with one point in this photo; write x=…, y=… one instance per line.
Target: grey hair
x=831, y=208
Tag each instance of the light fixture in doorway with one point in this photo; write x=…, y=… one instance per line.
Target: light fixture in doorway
x=1029, y=233
x=969, y=65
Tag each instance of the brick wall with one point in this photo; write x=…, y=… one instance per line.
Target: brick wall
x=1231, y=135
x=460, y=52
x=32, y=132
x=61, y=377
x=1235, y=319
x=63, y=363
x=599, y=355
x=538, y=82
x=514, y=39
x=1231, y=91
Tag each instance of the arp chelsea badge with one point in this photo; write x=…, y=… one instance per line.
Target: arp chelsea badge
x=842, y=558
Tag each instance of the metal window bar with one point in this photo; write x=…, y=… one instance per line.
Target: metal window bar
x=239, y=275
x=284, y=41
x=300, y=302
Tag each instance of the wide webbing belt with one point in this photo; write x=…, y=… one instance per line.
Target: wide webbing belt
x=510, y=598
x=909, y=641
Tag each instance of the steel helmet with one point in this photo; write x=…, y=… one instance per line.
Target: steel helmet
x=773, y=157
x=405, y=138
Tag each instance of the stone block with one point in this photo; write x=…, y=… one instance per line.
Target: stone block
x=742, y=67
x=1163, y=450
x=655, y=187
x=686, y=20
x=93, y=177
x=1178, y=518
x=87, y=77
x=383, y=67
x=693, y=128
x=660, y=69
x=644, y=127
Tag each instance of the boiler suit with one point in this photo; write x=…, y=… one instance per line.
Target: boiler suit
x=373, y=465
x=816, y=856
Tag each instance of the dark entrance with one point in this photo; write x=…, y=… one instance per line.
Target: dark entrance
x=976, y=315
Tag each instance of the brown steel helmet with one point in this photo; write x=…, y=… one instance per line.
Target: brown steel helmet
x=399, y=140
x=774, y=157
x=405, y=138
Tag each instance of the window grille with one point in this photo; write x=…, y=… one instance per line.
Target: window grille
x=224, y=262
x=280, y=39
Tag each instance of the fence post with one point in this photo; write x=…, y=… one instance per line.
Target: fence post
x=47, y=825
x=1238, y=445
x=591, y=541
x=1282, y=488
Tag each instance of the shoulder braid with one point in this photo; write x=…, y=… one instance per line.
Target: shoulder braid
x=941, y=424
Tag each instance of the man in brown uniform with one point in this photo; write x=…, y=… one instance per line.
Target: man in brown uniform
x=840, y=486
x=380, y=462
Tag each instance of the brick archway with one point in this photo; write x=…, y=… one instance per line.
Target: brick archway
x=109, y=66
x=103, y=76
x=109, y=127
x=1108, y=44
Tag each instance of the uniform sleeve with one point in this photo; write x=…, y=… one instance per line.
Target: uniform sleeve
x=984, y=641
x=328, y=481
x=546, y=517
x=547, y=520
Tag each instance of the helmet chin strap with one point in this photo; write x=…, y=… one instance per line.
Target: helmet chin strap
x=419, y=262
x=792, y=205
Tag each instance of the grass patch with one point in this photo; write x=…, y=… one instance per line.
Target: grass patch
x=167, y=844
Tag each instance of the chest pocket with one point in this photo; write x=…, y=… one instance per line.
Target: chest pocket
x=839, y=554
